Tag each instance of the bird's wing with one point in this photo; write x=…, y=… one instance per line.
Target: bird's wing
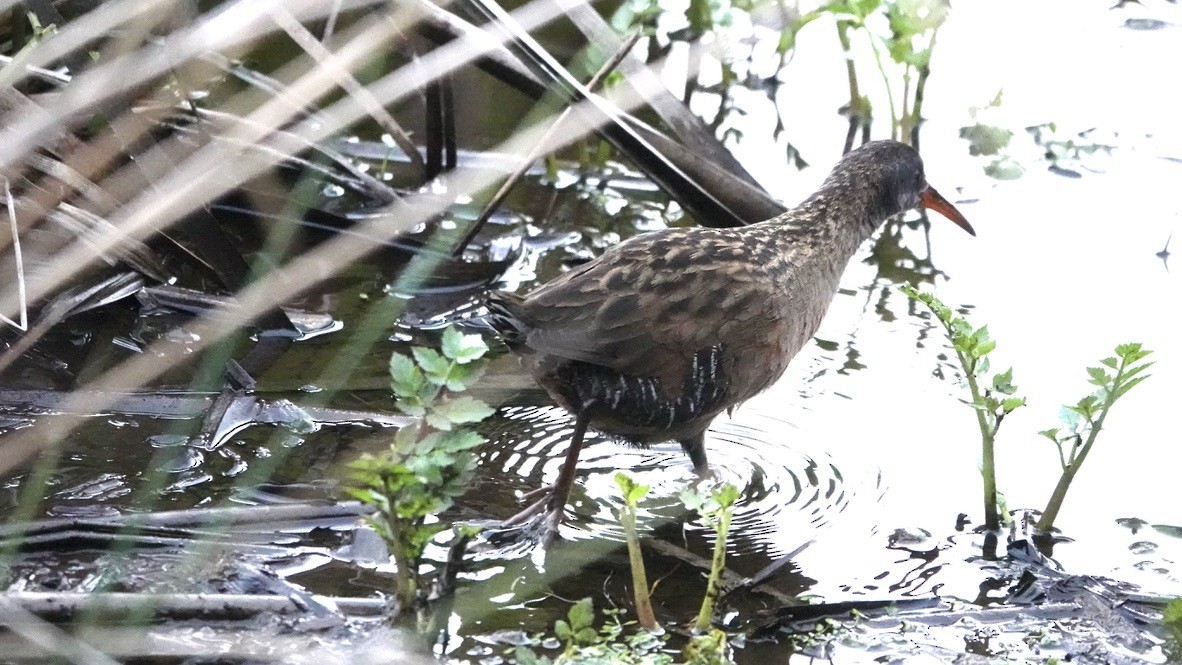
x=651, y=302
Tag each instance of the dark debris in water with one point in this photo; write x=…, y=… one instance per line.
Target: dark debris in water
x=1079, y=619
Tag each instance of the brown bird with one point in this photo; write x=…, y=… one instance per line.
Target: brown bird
x=662, y=333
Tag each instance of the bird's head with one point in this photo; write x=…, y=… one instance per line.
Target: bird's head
x=892, y=173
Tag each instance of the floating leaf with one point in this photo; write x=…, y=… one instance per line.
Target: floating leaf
x=1005, y=168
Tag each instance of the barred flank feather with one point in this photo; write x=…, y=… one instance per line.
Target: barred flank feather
x=504, y=317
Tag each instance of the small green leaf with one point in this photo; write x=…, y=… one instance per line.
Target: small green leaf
x=991, y=403
x=438, y=419
x=581, y=614
x=1124, y=350
x=363, y=495
x=980, y=336
x=434, y=365
x=1126, y=387
x=726, y=495
x=1005, y=168
x=412, y=407
x=405, y=377
x=1010, y=403
x=462, y=348
x=1172, y=618
x=462, y=376
x=464, y=409
x=1004, y=382
x=467, y=530
x=633, y=491
x=460, y=440
x=587, y=636
x=863, y=8
x=1098, y=376
x=524, y=656
x=1136, y=370
x=429, y=443
x=787, y=40
x=692, y=498
x=700, y=16
x=1109, y=362
x=1052, y=434
x=406, y=438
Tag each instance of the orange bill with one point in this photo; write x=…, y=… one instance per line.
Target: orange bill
x=932, y=200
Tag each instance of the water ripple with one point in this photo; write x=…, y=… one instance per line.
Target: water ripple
x=790, y=488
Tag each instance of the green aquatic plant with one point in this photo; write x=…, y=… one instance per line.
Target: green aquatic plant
x=1082, y=421
x=633, y=493
x=716, y=508
x=992, y=398
x=430, y=463
x=995, y=399
x=611, y=644
x=583, y=644
x=1172, y=620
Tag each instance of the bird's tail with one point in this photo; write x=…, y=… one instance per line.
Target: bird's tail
x=504, y=316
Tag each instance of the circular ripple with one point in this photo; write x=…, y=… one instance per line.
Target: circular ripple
x=790, y=488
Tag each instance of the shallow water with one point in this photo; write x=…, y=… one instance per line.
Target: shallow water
x=865, y=437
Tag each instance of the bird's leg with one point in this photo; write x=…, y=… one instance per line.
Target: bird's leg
x=566, y=476
x=555, y=496
x=695, y=447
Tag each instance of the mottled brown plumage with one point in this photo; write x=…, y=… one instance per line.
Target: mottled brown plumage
x=662, y=333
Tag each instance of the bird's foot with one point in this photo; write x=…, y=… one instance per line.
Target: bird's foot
x=707, y=474
x=538, y=521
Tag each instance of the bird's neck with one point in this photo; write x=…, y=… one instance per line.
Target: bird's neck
x=829, y=226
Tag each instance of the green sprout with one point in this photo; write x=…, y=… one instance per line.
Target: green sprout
x=430, y=462
x=992, y=398
x=1083, y=421
x=716, y=509
x=633, y=493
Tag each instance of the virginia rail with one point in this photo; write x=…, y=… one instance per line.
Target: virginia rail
x=662, y=333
